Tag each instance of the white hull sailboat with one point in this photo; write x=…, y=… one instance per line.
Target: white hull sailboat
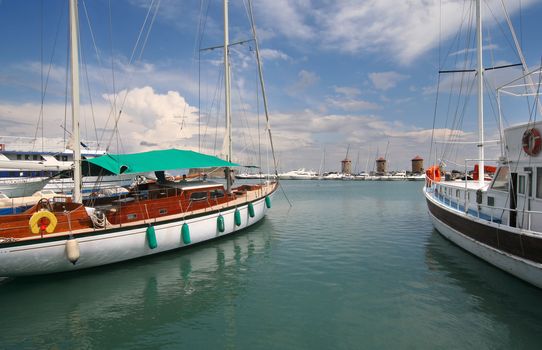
x=500, y=220
x=58, y=235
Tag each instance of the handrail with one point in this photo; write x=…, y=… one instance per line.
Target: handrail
x=447, y=200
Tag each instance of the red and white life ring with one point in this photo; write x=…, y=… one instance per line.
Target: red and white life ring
x=531, y=141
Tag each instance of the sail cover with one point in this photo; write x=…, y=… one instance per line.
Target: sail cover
x=156, y=160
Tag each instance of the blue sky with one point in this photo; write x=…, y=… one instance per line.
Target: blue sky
x=338, y=73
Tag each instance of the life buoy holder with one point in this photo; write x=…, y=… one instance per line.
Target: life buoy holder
x=42, y=220
x=531, y=141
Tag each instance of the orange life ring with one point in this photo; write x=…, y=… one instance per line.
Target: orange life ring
x=531, y=141
x=433, y=173
x=42, y=220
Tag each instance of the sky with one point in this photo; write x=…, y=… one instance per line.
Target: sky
x=356, y=78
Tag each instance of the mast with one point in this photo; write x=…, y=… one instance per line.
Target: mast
x=228, y=99
x=74, y=63
x=480, y=76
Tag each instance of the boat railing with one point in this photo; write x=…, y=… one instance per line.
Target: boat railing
x=482, y=211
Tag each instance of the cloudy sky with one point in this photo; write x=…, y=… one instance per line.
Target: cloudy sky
x=340, y=75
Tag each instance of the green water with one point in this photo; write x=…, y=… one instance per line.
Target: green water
x=351, y=265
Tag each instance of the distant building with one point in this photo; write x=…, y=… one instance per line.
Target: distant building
x=346, y=166
x=381, y=165
x=417, y=164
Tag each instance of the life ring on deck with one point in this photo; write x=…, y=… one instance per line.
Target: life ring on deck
x=531, y=141
x=42, y=220
x=433, y=173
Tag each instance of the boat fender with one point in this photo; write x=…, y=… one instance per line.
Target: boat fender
x=185, y=233
x=151, y=237
x=531, y=141
x=72, y=250
x=220, y=223
x=237, y=217
x=251, y=210
x=268, y=202
x=42, y=220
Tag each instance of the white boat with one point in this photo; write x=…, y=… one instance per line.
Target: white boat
x=299, y=174
x=62, y=235
x=398, y=176
x=21, y=187
x=19, y=204
x=25, y=170
x=416, y=177
x=499, y=221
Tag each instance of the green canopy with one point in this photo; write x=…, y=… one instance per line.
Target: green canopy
x=156, y=161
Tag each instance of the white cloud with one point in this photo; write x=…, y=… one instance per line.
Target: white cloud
x=386, y=80
x=271, y=54
x=347, y=91
x=350, y=104
x=400, y=30
x=286, y=17
x=305, y=79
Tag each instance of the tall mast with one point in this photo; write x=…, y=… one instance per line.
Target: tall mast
x=74, y=63
x=227, y=92
x=480, y=76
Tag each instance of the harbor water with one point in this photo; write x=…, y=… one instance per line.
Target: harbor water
x=350, y=265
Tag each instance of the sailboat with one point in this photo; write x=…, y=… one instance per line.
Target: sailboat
x=498, y=220
x=59, y=234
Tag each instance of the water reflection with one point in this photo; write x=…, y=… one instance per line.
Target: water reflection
x=126, y=303
x=506, y=301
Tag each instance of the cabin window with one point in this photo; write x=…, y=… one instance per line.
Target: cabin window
x=163, y=211
x=501, y=179
x=19, y=157
x=521, y=184
x=217, y=194
x=64, y=158
x=35, y=157
x=538, y=182
x=198, y=196
x=27, y=157
x=457, y=193
x=491, y=201
x=132, y=216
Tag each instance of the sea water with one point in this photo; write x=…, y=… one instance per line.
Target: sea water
x=350, y=265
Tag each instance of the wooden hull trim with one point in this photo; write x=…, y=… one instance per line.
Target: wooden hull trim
x=129, y=226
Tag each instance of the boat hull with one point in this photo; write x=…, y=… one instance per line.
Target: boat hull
x=22, y=187
x=491, y=242
x=120, y=244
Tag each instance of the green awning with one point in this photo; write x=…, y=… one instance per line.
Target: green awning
x=157, y=161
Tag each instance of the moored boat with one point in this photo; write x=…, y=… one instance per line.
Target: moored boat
x=65, y=234
x=497, y=219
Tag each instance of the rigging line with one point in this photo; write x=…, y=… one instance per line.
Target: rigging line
x=202, y=25
x=520, y=52
x=506, y=38
x=115, y=96
x=456, y=39
x=86, y=71
x=66, y=88
x=118, y=116
x=41, y=68
x=90, y=99
x=44, y=90
x=144, y=45
x=466, y=60
x=113, y=82
x=260, y=73
x=244, y=114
